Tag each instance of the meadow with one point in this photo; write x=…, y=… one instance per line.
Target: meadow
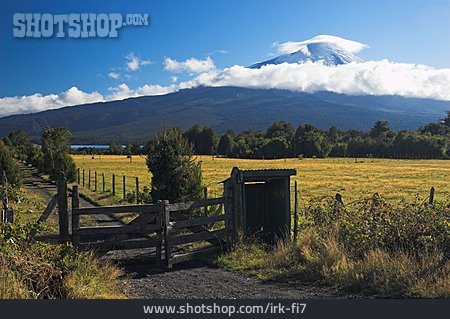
x=395, y=180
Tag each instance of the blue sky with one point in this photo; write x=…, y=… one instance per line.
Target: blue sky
x=230, y=32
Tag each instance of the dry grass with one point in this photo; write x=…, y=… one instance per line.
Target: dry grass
x=317, y=258
x=395, y=179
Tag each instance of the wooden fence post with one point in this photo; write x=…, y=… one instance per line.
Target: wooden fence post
x=83, y=177
x=89, y=179
x=159, y=234
x=431, y=200
x=205, y=197
x=113, y=184
x=166, y=233
x=75, y=216
x=63, y=211
x=124, y=188
x=95, y=181
x=295, y=211
x=78, y=176
x=103, y=182
x=137, y=190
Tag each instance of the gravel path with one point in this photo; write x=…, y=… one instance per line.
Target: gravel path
x=191, y=279
x=199, y=280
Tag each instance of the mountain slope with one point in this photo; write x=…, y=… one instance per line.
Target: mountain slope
x=223, y=108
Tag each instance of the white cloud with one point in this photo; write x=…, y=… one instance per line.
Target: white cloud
x=134, y=62
x=190, y=65
x=38, y=102
x=174, y=79
x=122, y=91
x=347, y=45
x=114, y=75
x=373, y=77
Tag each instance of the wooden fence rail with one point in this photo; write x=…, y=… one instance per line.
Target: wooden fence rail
x=153, y=227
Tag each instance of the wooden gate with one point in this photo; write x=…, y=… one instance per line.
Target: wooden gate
x=163, y=226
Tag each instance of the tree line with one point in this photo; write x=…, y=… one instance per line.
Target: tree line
x=281, y=140
x=50, y=158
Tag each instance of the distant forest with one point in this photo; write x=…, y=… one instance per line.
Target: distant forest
x=281, y=140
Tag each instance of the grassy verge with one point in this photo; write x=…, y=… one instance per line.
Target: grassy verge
x=30, y=269
x=373, y=248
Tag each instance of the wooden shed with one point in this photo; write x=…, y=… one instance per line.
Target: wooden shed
x=260, y=202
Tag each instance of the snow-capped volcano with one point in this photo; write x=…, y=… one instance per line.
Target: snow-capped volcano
x=329, y=49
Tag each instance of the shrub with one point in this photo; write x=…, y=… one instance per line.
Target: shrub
x=175, y=175
x=8, y=166
x=56, y=158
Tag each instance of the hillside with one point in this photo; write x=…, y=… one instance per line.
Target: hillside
x=136, y=119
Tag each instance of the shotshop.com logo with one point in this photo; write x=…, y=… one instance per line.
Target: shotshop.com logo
x=74, y=25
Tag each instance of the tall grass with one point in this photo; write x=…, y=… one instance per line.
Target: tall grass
x=373, y=248
x=34, y=270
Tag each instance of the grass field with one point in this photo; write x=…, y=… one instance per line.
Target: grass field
x=394, y=179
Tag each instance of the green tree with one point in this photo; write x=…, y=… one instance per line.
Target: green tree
x=175, y=175
x=226, y=143
x=204, y=140
x=280, y=129
x=310, y=141
x=8, y=166
x=55, y=157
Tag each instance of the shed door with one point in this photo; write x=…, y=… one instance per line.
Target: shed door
x=254, y=208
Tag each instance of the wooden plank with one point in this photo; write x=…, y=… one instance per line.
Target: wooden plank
x=137, y=190
x=147, y=208
x=75, y=217
x=48, y=210
x=175, y=207
x=63, y=211
x=140, y=220
x=112, y=230
x=197, y=254
x=184, y=239
x=205, y=197
x=126, y=244
x=165, y=218
x=197, y=221
x=124, y=187
x=295, y=211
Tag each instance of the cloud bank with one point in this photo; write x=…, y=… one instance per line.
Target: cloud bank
x=372, y=77
x=347, y=45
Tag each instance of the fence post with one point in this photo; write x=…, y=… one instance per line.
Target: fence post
x=63, y=211
x=159, y=234
x=103, y=182
x=83, y=177
x=95, y=181
x=78, y=176
x=137, y=190
x=295, y=211
x=205, y=197
x=431, y=200
x=124, y=189
x=166, y=232
x=89, y=180
x=75, y=216
x=113, y=184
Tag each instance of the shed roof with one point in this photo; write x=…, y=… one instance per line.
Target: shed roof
x=265, y=174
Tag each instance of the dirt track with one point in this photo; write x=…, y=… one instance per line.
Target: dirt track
x=191, y=279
